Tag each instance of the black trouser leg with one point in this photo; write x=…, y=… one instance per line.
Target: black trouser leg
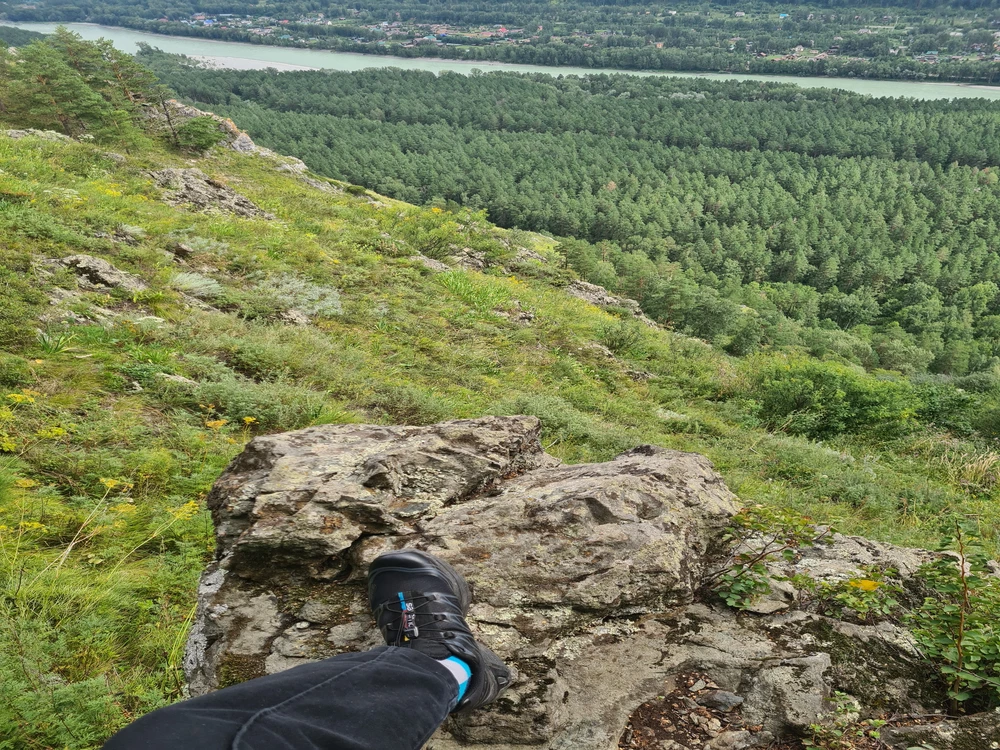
x=384, y=698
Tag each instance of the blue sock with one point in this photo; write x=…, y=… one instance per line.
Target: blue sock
x=460, y=671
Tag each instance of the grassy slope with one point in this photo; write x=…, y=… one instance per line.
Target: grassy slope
x=103, y=534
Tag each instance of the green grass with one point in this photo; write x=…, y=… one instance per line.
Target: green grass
x=105, y=462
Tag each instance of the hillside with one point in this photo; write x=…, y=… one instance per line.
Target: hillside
x=753, y=216
x=156, y=317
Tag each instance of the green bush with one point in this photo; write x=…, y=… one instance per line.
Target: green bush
x=563, y=423
x=21, y=301
x=14, y=371
x=823, y=399
x=622, y=336
x=274, y=406
x=957, y=625
x=198, y=134
x=411, y=404
x=944, y=405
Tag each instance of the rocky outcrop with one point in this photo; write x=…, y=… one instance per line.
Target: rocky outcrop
x=435, y=266
x=45, y=135
x=167, y=118
x=601, y=297
x=194, y=187
x=98, y=273
x=977, y=732
x=587, y=579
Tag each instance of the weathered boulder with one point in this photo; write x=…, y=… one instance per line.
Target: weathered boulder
x=976, y=732
x=601, y=297
x=194, y=187
x=99, y=273
x=585, y=578
x=44, y=135
x=430, y=263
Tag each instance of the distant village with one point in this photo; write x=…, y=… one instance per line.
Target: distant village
x=408, y=34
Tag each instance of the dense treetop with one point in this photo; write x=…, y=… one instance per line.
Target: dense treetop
x=749, y=214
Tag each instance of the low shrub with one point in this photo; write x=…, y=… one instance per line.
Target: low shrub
x=196, y=285
x=274, y=406
x=198, y=134
x=14, y=371
x=822, y=399
x=622, y=336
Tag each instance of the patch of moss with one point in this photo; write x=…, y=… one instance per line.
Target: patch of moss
x=865, y=668
x=234, y=669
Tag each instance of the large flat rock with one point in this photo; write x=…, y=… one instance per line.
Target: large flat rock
x=587, y=579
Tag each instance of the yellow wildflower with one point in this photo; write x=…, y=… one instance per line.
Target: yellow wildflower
x=864, y=584
x=50, y=433
x=249, y=420
x=109, y=483
x=216, y=423
x=184, y=512
x=437, y=210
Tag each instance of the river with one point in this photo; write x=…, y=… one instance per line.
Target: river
x=251, y=56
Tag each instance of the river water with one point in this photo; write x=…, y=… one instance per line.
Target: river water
x=257, y=56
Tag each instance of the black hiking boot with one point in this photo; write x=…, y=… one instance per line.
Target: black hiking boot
x=420, y=602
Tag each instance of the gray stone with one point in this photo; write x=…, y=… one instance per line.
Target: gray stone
x=181, y=250
x=554, y=553
x=975, y=732
x=44, y=135
x=243, y=143
x=720, y=700
x=788, y=694
x=97, y=272
x=733, y=740
x=194, y=187
x=524, y=255
x=430, y=264
x=470, y=259
x=601, y=297
x=780, y=597
x=515, y=314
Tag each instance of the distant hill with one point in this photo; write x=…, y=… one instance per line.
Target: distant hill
x=14, y=37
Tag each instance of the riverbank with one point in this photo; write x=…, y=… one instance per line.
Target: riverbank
x=239, y=55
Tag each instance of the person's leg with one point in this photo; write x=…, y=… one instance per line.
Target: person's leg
x=384, y=698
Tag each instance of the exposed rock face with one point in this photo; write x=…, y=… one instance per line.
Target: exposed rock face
x=601, y=297
x=976, y=732
x=45, y=135
x=96, y=272
x=175, y=113
x=430, y=263
x=194, y=187
x=585, y=579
